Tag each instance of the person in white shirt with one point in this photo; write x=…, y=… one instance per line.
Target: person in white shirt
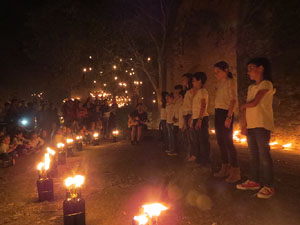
x=225, y=103
x=258, y=124
x=178, y=101
x=170, y=109
x=163, y=121
x=187, y=112
x=199, y=124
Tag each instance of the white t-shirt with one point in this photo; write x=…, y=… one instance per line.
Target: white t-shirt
x=201, y=94
x=163, y=114
x=187, y=103
x=178, y=104
x=226, y=92
x=170, y=108
x=262, y=114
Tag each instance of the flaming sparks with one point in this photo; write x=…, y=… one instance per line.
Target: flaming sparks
x=154, y=209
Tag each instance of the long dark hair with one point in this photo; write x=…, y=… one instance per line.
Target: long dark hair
x=224, y=66
x=265, y=63
x=163, y=99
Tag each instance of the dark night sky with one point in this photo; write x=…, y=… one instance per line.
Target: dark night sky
x=14, y=15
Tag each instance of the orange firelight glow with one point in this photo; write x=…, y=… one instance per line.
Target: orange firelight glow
x=60, y=145
x=154, y=209
x=50, y=151
x=142, y=219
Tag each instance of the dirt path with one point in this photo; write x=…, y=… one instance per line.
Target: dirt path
x=121, y=177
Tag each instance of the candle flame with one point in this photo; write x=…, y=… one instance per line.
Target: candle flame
x=287, y=145
x=50, y=151
x=273, y=143
x=60, y=145
x=142, y=219
x=70, y=141
x=154, y=209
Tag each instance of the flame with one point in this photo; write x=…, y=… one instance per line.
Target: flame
x=243, y=140
x=40, y=166
x=60, y=145
x=213, y=131
x=96, y=135
x=78, y=180
x=69, y=181
x=115, y=132
x=70, y=141
x=78, y=137
x=154, y=209
x=287, y=145
x=273, y=143
x=142, y=219
x=47, y=161
x=50, y=151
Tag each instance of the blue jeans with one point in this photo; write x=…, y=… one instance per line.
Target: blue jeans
x=261, y=161
x=200, y=140
x=171, y=142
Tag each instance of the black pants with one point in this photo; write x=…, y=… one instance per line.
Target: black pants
x=200, y=141
x=187, y=137
x=224, y=138
x=164, y=134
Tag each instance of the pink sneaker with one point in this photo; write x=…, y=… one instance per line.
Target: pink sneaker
x=266, y=192
x=248, y=185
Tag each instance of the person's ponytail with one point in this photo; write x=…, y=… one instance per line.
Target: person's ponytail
x=222, y=65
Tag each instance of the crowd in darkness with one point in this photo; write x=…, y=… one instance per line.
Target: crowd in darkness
x=26, y=127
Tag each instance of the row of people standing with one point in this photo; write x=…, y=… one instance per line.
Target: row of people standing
x=184, y=119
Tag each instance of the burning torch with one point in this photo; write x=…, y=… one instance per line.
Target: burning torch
x=44, y=182
x=74, y=204
x=62, y=157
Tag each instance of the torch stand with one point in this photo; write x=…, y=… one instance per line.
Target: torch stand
x=45, y=189
x=79, y=146
x=62, y=157
x=70, y=151
x=74, y=211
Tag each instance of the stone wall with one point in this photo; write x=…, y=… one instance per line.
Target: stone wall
x=235, y=31
x=205, y=33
